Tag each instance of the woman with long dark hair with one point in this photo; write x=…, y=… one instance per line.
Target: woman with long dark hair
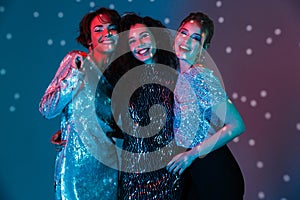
x=142, y=80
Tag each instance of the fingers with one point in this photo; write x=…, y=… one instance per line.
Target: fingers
x=172, y=164
x=78, y=62
x=176, y=166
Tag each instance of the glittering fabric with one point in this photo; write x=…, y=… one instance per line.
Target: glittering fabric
x=78, y=172
x=196, y=91
x=145, y=154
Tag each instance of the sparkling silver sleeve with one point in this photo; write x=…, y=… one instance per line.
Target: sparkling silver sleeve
x=62, y=88
x=196, y=92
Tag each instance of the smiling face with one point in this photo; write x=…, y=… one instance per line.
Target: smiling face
x=104, y=35
x=188, y=41
x=141, y=43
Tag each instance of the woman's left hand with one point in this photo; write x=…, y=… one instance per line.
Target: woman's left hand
x=181, y=161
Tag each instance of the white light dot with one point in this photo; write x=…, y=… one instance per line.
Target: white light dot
x=2, y=71
x=36, y=14
x=253, y=103
x=12, y=108
x=111, y=6
x=269, y=40
x=228, y=50
x=259, y=164
x=50, y=42
x=62, y=42
x=236, y=139
x=286, y=178
x=219, y=4
x=277, y=31
x=283, y=198
x=92, y=4
x=60, y=14
x=17, y=96
x=235, y=95
x=221, y=20
x=243, y=99
x=261, y=195
x=249, y=28
x=249, y=51
x=2, y=9
x=78, y=0
x=268, y=115
x=129, y=0
x=251, y=142
x=298, y=126
x=8, y=36
x=152, y=0
x=263, y=93
x=167, y=20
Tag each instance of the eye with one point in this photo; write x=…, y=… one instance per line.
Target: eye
x=183, y=32
x=144, y=35
x=98, y=29
x=112, y=28
x=131, y=41
x=196, y=37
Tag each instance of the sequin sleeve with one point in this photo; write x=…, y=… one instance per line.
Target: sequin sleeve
x=63, y=86
x=216, y=98
x=196, y=92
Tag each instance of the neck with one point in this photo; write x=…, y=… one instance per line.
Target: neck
x=101, y=60
x=184, y=66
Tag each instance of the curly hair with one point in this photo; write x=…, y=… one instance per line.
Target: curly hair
x=162, y=37
x=84, y=37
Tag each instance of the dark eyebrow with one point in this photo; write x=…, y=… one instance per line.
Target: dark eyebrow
x=198, y=34
x=182, y=29
x=98, y=26
x=144, y=32
x=139, y=34
x=112, y=25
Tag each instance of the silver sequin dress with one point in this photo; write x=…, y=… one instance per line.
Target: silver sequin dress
x=78, y=172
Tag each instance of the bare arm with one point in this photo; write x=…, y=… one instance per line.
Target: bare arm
x=234, y=126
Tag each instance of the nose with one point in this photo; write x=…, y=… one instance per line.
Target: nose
x=140, y=42
x=186, y=39
x=107, y=33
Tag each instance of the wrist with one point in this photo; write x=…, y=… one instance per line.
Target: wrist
x=195, y=152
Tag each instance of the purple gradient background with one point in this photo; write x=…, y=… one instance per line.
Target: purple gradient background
x=28, y=64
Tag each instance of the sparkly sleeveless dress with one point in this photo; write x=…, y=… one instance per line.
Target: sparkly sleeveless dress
x=217, y=175
x=143, y=99
x=78, y=172
x=149, y=145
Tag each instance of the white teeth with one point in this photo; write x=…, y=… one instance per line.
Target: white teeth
x=184, y=47
x=142, y=51
x=107, y=41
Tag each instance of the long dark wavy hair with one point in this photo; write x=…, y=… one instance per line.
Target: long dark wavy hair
x=160, y=33
x=126, y=61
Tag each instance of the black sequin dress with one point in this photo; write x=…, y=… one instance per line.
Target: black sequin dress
x=149, y=143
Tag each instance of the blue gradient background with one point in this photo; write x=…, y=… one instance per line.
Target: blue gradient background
x=28, y=64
